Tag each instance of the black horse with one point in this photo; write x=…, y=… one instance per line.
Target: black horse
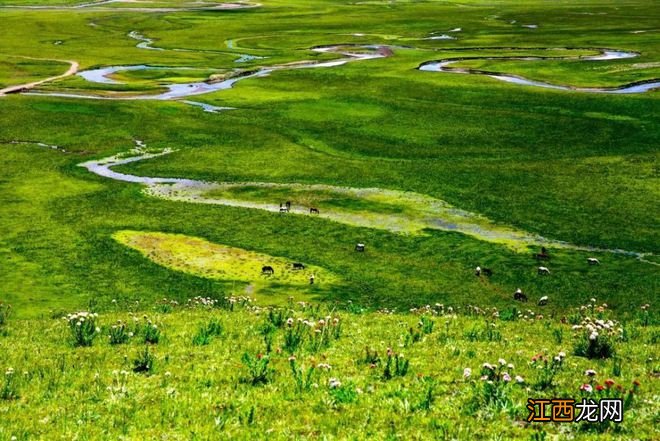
x=298, y=266
x=313, y=210
x=543, y=255
x=267, y=270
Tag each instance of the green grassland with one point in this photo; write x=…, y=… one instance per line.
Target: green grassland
x=518, y=155
x=200, y=386
x=205, y=259
x=568, y=166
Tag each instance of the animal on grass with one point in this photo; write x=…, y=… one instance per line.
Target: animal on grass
x=543, y=270
x=311, y=279
x=543, y=301
x=543, y=255
x=478, y=271
x=593, y=261
x=298, y=266
x=359, y=247
x=314, y=211
x=267, y=270
x=519, y=296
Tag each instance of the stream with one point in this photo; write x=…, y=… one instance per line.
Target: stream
x=421, y=212
x=605, y=55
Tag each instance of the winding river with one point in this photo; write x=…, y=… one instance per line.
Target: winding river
x=103, y=5
x=414, y=212
x=605, y=55
x=183, y=90
x=178, y=91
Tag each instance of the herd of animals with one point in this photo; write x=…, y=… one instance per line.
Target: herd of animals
x=518, y=295
x=286, y=207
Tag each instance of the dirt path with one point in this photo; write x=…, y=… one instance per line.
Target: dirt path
x=72, y=70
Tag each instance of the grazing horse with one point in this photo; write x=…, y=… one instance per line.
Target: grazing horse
x=478, y=271
x=593, y=261
x=543, y=301
x=519, y=295
x=543, y=270
x=298, y=266
x=359, y=247
x=267, y=270
x=314, y=211
x=543, y=255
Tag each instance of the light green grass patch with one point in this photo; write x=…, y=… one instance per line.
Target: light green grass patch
x=202, y=258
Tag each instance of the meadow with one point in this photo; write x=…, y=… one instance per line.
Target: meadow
x=578, y=169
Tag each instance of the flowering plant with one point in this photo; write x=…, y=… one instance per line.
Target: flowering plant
x=83, y=327
x=9, y=390
x=596, y=338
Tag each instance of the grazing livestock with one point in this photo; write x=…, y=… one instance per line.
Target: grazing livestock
x=311, y=279
x=478, y=271
x=284, y=209
x=267, y=270
x=314, y=211
x=543, y=301
x=298, y=266
x=359, y=247
x=543, y=270
x=543, y=255
x=519, y=296
x=593, y=261
x=288, y=205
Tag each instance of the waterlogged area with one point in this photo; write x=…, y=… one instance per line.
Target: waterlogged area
x=176, y=91
x=605, y=55
x=392, y=210
x=133, y=6
x=183, y=90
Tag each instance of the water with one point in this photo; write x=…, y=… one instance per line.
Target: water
x=421, y=211
x=183, y=90
x=605, y=55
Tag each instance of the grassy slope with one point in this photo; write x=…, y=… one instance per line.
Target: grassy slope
x=198, y=392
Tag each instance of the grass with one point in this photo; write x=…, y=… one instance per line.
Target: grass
x=201, y=258
x=230, y=386
x=573, y=167
x=516, y=155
